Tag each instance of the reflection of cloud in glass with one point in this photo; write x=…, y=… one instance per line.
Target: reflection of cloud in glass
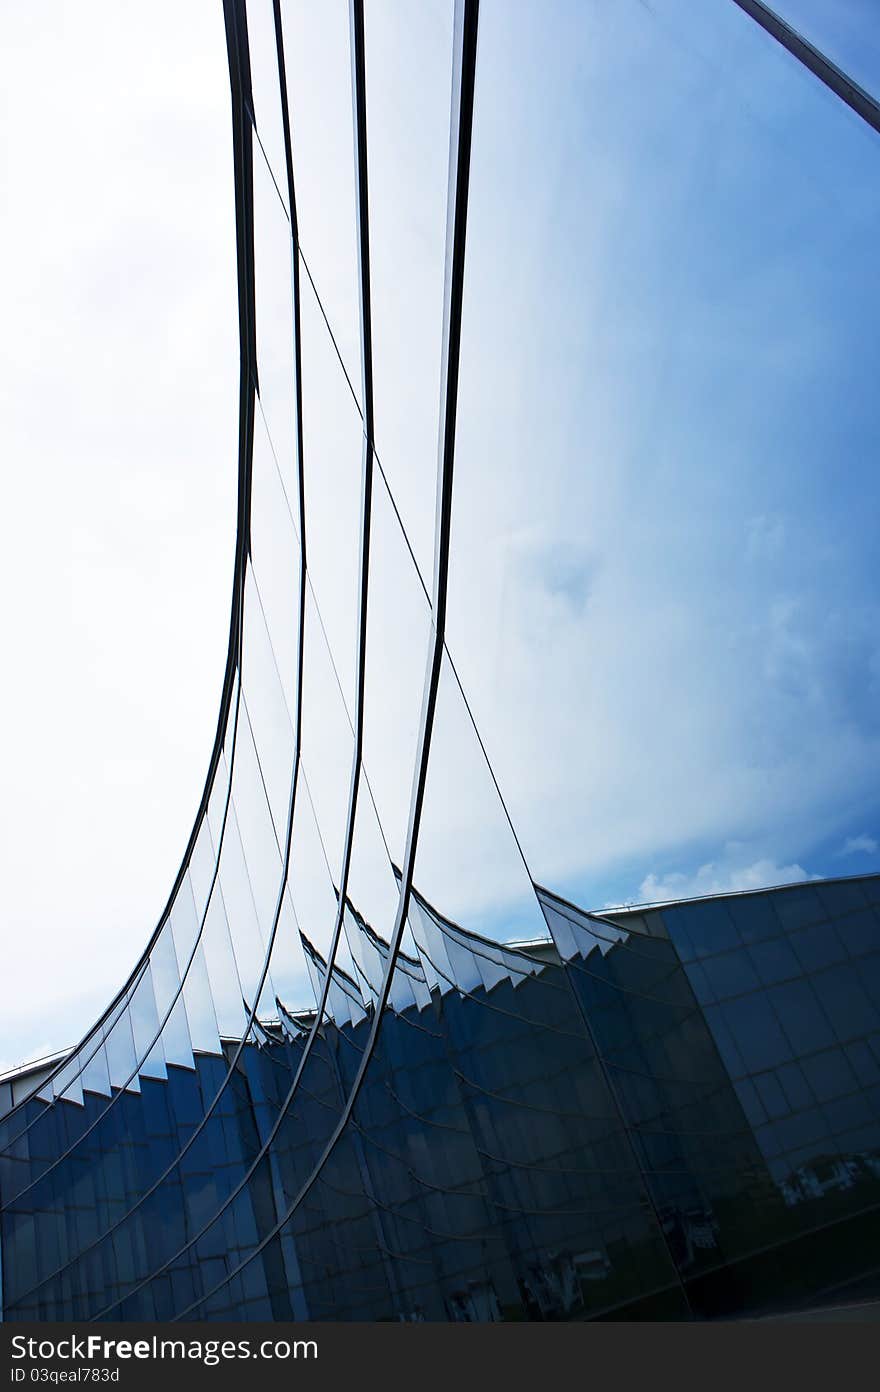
x=667, y=357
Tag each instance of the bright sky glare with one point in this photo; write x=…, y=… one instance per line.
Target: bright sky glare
x=119, y=406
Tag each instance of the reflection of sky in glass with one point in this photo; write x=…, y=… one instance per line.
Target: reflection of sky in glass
x=663, y=607
x=665, y=498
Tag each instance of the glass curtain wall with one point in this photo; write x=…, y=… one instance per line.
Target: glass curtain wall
x=558, y=353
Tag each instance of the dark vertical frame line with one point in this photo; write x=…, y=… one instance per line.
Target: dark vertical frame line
x=464, y=71
x=358, y=71
x=239, y=67
x=837, y=81
x=242, y=160
x=242, y=141
x=243, y=165
x=360, y=135
x=359, y=112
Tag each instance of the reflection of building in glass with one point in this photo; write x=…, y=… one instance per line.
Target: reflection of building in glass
x=666, y=1112
x=368, y=1067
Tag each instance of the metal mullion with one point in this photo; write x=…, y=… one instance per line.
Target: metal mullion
x=237, y=37
x=359, y=105
x=239, y=41
x=232, y=664
x=242, y=149
x=368, y=448
x=464, y=68
x=837, y=81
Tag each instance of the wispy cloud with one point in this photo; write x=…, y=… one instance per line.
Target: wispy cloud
x=859, y=845
x=718, y=877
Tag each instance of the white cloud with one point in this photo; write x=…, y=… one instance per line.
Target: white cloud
x=719, y=877
x=859, y=845
x=715, y=685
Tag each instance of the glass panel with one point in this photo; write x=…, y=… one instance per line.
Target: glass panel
x=145, y=1027
x=250, y=881
x=316, y=53
x=730, y=974
x=755, y=1029
x=122, y=1061
x=184, y=923
x=95, y=1055
x=265, y=729
x=344, y=1005
x=844, y=1002
x=96, y=1072
x=398, y=631
x=273, y=287
x=68, y=1083
x=642, y=570
x=289, y=972
x=265, y=89
x=801, y=1016
x=203, y=858
x=328, y=742
x=275, y=558
x=169, y=1002
x=373, y=899
x=774, y=961
x=575, y=932
x=828, y=1075
x=798, y=907
x=795, y=1087
x=817, y=946
x=311, y=887
x=200, y=1011
x=366, y=955
x=468, y=866
x=332, y=452
x=409, y=75
x=226, y=990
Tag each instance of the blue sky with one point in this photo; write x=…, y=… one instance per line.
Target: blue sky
x=664, y=600
x=667, y=490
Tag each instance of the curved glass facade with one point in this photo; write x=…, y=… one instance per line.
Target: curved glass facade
x=669, y=1113
x=368, y=1066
